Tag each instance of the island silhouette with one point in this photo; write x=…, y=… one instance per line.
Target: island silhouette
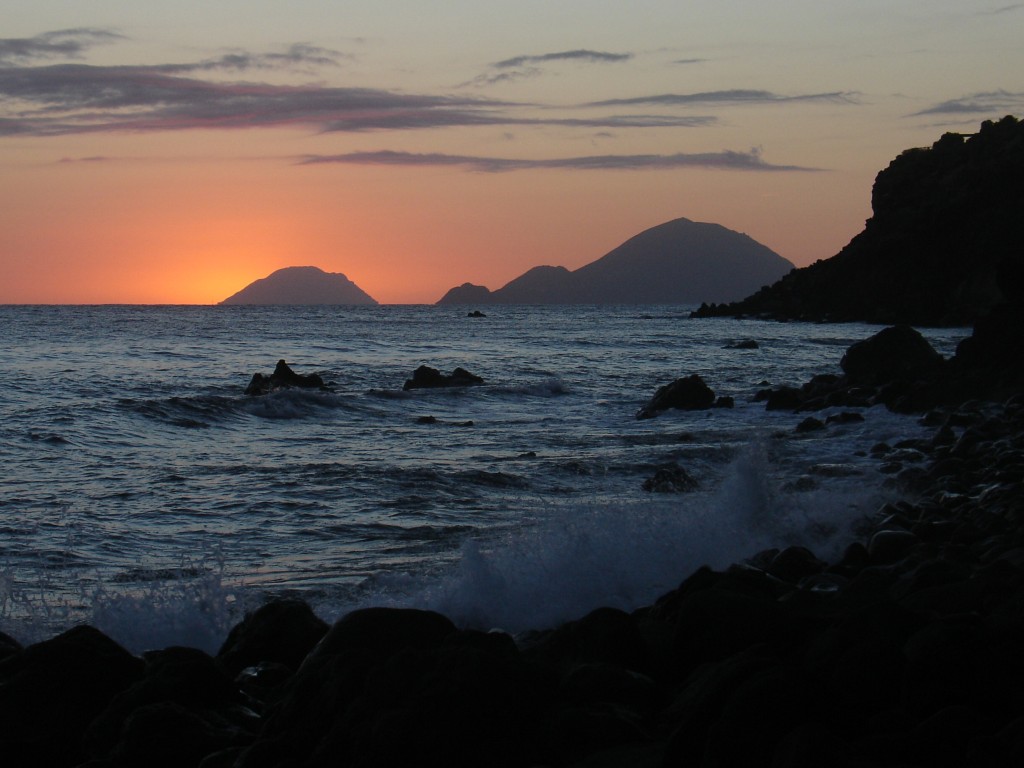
x=678, y=262
x=302, y=285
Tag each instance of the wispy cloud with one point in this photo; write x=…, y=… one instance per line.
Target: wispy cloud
x=300, y=56
x=977, y=104
x=62, y=99
x=727, y=97
x=77, y=98
x=1002, y=9
x=530, y=66
x=600, y=57
x=59, y=44
x=730, y=160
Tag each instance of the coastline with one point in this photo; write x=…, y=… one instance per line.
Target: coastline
x=903, y=652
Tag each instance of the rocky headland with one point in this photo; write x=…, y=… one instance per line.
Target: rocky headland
x=678, y=262
x=942, y=246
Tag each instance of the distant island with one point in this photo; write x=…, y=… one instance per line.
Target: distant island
x=942, y=247
x=679, y=262
x=302, y=285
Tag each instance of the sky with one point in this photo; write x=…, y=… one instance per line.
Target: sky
x=158, y=153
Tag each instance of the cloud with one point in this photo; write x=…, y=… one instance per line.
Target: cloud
x=62, y=99
x=1003, y=9
x=301, y=56
x=977, y=103
x=577, y=55
x=77, y=98
x=529, y=66
x=727, y=97
x=729, y=160
x=59, y=44
x=90, y=159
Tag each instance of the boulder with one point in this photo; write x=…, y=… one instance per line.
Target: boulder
x=281, y=631
x=895, y=353
x=686, y=394
x=51, y=691
x=426, y=377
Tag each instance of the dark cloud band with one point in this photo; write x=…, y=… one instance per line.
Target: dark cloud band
x=740, y=161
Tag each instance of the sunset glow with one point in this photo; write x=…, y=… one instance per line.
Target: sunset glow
x=173, y=155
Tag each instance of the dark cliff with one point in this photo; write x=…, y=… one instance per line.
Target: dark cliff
x=942, y=247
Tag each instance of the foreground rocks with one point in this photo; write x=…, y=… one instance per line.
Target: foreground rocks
x=903, y=652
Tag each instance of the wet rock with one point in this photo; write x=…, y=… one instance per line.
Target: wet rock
x=889, y=546
x=426, y=377
x=51, y=691
x=282, y=631
x=283, y=377
x=687, y=394
x=810, y=424
x=671, y=479
x=783, y=399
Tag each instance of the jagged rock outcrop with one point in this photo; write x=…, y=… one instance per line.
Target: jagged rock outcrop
x=426, y=377
x=679, y=262
x=942, y=247
x=283, y=377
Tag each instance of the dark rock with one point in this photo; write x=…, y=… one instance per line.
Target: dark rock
x=426, y=377
x=810, y=424
x=745, y=344
x=283, y=377
x=783, y=399
x=475, y=313
x=794, y=564
x=672, y=479
x=846, y=417
x=169, y=735
x=8, y=646
x=888, y=546
x=282, y=631
x=686, y=394
x=942, y=246
x=898, y=352
x=724, y=401
x=51, y=691
x=185, y=683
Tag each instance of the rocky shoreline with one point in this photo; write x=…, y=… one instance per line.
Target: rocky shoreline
x=904, y=652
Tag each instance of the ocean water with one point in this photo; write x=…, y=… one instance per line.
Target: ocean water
x=142, y=491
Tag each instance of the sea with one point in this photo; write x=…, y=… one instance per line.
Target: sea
x=143, y=492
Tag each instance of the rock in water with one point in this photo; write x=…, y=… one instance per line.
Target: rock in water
x=426, y=377
x=283, y=377
x=686, y=394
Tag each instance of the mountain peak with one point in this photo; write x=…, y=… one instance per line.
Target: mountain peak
x=678, y=262
x=301, y=286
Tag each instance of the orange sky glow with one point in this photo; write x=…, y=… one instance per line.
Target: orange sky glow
x=142, y=161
